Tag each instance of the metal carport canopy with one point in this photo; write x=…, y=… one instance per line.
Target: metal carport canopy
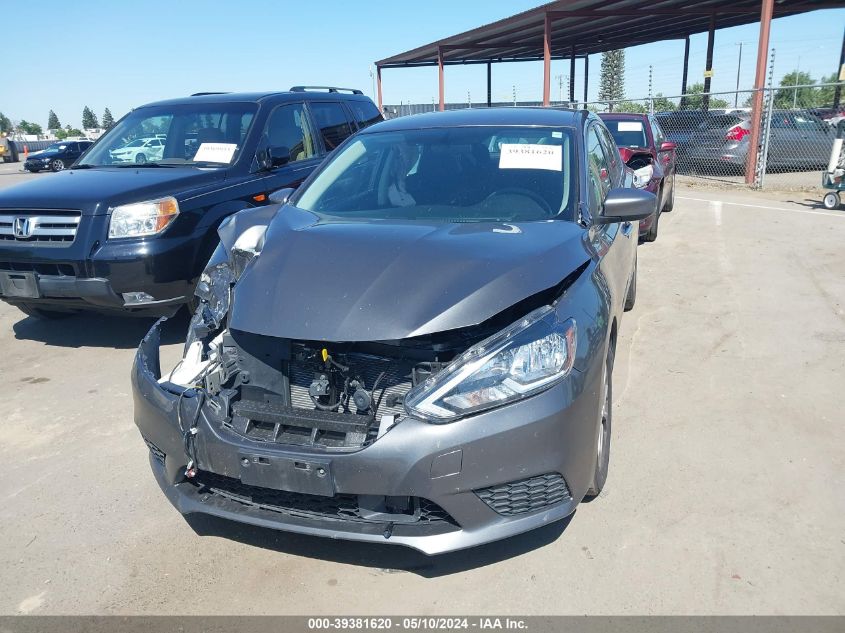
x=571, y=29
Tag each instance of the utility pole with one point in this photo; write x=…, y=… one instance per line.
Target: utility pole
x=650, y=98
x=738, y=68
x=514, y=95
x=469, y=100
x=795, y=92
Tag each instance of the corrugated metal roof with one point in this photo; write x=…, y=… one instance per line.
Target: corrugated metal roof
x=592, y=26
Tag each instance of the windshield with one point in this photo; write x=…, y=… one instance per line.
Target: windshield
x=203, y=134
x=464, y=174
x=627, y=133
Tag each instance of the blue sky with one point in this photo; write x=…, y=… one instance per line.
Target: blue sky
x=120, y=54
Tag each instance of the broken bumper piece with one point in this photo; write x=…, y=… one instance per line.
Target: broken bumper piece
x=435, y=488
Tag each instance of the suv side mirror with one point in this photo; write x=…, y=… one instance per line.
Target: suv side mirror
x=280, y=196
x=279, y=156
x=626, y=205
x=668, y=146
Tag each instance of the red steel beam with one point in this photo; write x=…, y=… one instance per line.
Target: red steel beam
x=547, y=60
x=766, y=9
x=440, y=79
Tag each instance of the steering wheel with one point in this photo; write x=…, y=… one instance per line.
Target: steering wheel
x=526, y=193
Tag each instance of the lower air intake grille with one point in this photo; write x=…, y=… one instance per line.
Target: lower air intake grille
x=341, y=507
x=155, y=451
x=526, y=495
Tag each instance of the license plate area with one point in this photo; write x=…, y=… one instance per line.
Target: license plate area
x=306, y=476
x=19, y=284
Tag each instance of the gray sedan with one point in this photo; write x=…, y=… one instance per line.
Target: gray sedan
x=417, y=348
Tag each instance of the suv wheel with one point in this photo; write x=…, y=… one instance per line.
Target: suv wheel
x=57, y=165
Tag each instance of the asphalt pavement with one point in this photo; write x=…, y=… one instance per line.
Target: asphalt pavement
x=726, y=476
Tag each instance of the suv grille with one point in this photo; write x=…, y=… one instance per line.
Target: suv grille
x=341, y=507
x=39, y=226
x=526, y=495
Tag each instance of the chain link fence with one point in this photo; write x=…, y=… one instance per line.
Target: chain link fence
x=712, y=131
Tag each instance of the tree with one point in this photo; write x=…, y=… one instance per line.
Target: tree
x=89, y=119
x=5, y=124
x=29, y=128
x=662, y=104
x=630, y=106
x=796, y=97
x=53, y=121
x=612, y=81
x=824, y=94
x=108, y=119
x=694, y=99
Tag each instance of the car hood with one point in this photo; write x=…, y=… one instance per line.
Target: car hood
x=93, y=191
x=376, y=281
x=43, y=154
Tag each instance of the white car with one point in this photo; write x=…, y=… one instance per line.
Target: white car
x=140, y=150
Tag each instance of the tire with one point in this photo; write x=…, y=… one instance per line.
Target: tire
x=140, y=159
x=831, y=200
x=604, y=421
x=670, y=203
x=41, y=313
x=57, y=165
x=631, y=297
x=651, y=236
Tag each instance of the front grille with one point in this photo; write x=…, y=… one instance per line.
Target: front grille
x=340, y=507
x=526, y=495
x=55, y=227
x=56, y=270
x=395, y=383
x=155, y=451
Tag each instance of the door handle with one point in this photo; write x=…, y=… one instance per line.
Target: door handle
x=627, y=227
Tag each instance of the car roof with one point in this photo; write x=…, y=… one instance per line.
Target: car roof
x=545, y=117
x=256, y=97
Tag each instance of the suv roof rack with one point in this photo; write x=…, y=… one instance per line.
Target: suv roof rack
x=202, y=94
x=354, y=91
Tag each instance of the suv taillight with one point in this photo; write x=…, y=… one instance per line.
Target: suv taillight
x=736, y=133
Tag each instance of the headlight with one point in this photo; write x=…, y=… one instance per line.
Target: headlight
x=526, y=357
x=143, y=218
x=642, y=176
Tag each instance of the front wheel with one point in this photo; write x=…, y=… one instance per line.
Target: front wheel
x=57, y=165
x=831, y=200
x=140, y=159
x=603, y=441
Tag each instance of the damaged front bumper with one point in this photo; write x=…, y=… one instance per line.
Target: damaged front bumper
x=435, y=488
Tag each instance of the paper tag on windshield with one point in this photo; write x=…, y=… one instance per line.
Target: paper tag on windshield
x=215, y=152
x=630, y=126
x=527, y=156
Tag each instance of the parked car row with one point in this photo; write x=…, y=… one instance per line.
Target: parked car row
x=798, y=139
x=402, y=333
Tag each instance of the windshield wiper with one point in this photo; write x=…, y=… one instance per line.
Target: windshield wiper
x=138, y=165
x=83, y=166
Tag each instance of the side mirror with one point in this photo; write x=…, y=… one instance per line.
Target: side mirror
x=280, y=196
x=279, y=156
x=668, y=146
x=626, y=205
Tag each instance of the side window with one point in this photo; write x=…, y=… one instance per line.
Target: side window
x=659, y=138
x=365, y=112
x=598, y=172
x=288, y=127
x=334, y=126
x=72, y=147
x=611, y=151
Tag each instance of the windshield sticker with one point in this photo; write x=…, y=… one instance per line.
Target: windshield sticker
x=630, y=126
x=528, y=156
x=215, y=152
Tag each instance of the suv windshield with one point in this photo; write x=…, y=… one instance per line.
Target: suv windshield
x=464, y=174
x=207, y=134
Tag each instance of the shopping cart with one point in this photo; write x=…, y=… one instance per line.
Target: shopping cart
x=834, y=176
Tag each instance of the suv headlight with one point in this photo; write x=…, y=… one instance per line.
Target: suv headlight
x=525, y=358
x=142, y=218
x=642, y=176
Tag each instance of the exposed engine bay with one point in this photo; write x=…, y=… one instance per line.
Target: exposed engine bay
x=640, y=160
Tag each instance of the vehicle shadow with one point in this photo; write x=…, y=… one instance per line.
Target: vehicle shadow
x=387, y=558
x=97, y=330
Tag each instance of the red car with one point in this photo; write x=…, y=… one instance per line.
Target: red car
x=644, y=149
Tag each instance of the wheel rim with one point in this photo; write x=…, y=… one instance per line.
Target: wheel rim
x=603, y=433
x=58, y=165
x=140, y=159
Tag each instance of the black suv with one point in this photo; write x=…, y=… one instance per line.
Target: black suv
x=116, y=234
x=57, y=156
